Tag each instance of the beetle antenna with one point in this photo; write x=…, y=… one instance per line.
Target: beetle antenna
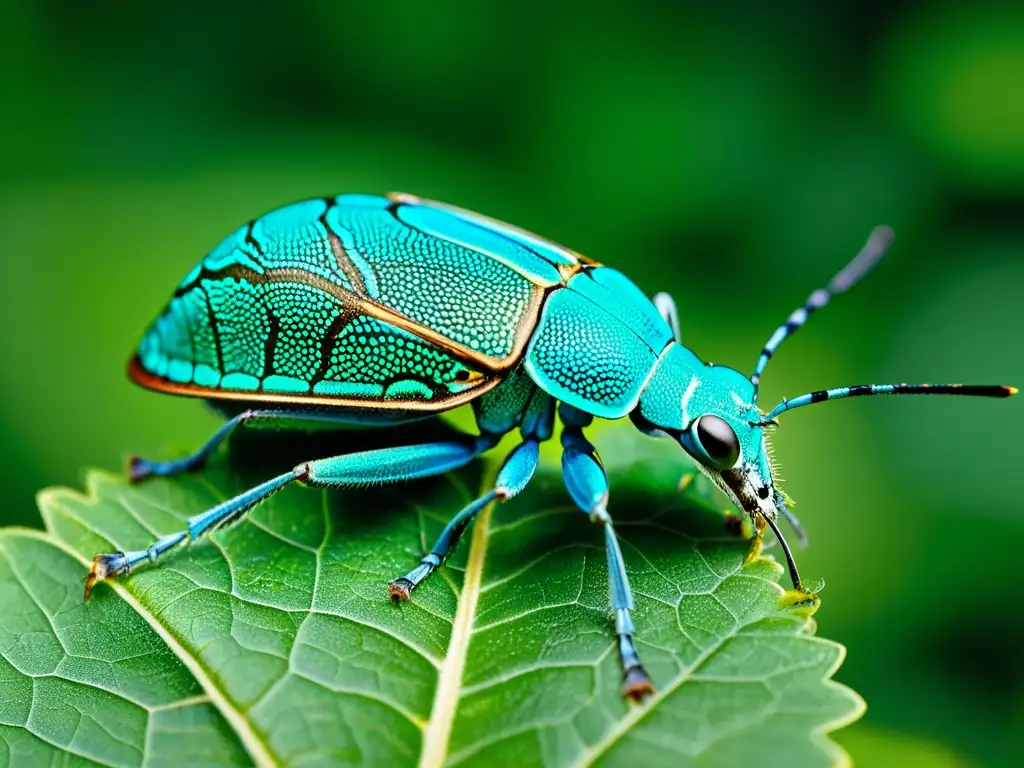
x=875, y=247
x=865, y=390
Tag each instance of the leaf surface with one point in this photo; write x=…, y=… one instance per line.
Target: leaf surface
x=273, y=642
x=92, y=685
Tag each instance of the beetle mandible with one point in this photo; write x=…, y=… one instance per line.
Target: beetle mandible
x=379, y=310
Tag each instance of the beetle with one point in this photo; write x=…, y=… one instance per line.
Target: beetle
x=380, y=310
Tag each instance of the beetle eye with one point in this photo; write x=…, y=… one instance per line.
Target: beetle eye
x=718, y=440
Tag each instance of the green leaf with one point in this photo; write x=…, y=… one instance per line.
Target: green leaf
x=91, y=685
x=273, y=642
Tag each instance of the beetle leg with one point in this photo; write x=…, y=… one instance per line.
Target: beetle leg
x=588, y=485
x=513, y=477
x=140, y=468
x=378, y=466
x=122, y=563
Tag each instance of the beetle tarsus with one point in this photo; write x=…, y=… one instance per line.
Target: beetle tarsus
x=138, y=469
x=400, y=590
x=104, y=567
x=90, y=582
x=636, y=685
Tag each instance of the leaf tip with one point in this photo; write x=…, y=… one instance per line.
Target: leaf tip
x=804, y=603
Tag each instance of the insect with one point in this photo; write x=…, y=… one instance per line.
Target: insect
x=379, y=310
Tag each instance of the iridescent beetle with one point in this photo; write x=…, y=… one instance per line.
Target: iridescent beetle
x=379, y=310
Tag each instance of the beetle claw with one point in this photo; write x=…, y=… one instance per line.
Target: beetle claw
x=637, y=686
x=104, y=567
x=138, y=469
x=90, y=582
x=400, y=590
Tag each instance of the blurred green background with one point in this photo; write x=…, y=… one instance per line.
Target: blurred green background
x=733, y=155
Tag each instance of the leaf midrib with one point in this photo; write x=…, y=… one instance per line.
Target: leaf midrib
x=449, y=681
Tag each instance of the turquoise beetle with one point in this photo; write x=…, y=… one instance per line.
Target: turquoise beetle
x=380, y=310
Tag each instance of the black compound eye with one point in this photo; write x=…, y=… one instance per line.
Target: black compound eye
x=718, y=440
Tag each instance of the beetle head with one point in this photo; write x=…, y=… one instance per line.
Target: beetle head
x=713, y=411
x=710, y=410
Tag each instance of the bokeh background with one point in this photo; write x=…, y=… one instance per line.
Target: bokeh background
x=735, y=155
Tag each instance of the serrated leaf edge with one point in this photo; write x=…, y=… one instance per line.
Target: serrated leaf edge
x=820, y=735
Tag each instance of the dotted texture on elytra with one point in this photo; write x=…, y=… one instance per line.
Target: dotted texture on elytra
x=617, y=294
x=304, y=317
x=292, y=237
x=268, y=308
x=369, y=351
x=243, y=323
x=465, y=295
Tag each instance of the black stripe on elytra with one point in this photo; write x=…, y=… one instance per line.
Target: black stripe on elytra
x=191, y=336
x=348, y=301
x=215, y=330
x=205, y=273
x=250, y=240
x=327, y=344
x=192, y=330
x=238, y=272
x=270, y=344
x=341, y=256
